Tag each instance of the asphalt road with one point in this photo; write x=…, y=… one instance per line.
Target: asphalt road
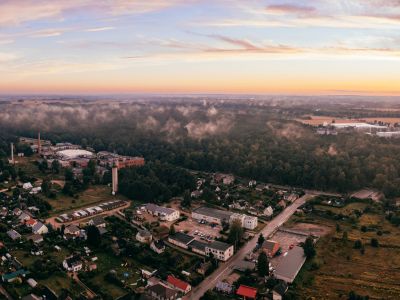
x=225, y=268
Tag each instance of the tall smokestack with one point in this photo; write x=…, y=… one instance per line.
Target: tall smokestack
x=12, y=153
x=39, y=144
x=114, y=178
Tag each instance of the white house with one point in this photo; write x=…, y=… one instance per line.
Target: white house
x=27, y=186
x=144, y=236
x=250, y=222
x=164, y=213
x=220, y=250
x=269, y=211
x=73, y=264
x=40, y=228
x=157, y=246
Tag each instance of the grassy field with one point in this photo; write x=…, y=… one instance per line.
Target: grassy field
x=339, y=268
x=93, y=195
x=346, y=210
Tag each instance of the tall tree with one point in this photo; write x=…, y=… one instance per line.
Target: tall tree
x=93, y=236
x=309, y=248
x=235, y=233
x=263, y=265
x=261, y=239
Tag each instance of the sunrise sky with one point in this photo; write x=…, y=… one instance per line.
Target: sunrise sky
x=189, y=46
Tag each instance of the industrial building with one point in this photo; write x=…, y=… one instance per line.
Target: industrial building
x=164, y=213
x=217, y=216
x=290, y=265
x=219, y=250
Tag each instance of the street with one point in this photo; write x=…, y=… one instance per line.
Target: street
x=225, y=268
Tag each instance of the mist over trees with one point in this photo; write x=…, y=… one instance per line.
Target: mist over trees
x=258, y=141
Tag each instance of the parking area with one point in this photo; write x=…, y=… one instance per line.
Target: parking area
x=201, y=231
x=287, y=239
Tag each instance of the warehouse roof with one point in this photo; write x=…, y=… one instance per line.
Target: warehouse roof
x=212, y=212
x=290, y=265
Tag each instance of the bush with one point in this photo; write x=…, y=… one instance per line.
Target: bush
x=374, y=243
x=358, y=244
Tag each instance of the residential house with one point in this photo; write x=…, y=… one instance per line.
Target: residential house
x=179, y=285
x=36, y=238
x=13, y=235
x=204, y=267
x=269, y=211
x=144, y=236
x=73, y=263
x=270, y=248
x=162, y=292
x=246, y=292
x=27, y=186
x=226, y=179
x=72, y=232
x=40, y=228
x=97, y=221
x=157, y=246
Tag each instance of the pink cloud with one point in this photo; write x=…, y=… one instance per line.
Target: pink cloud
x=291, y=9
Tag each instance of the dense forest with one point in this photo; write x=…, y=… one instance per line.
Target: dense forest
x=258, y=140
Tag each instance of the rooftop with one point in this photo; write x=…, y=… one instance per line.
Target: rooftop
x=219, y=245
x=212, y=212
x=176, y=282
x=198, y=245
x=163, y=291
x=291, y=264
x=182, y=237
x=159, y=209
x=246, y=291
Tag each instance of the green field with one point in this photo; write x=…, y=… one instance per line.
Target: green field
x=339, y=268
x=93, y=195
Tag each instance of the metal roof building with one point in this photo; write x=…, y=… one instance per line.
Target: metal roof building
x=290, y=265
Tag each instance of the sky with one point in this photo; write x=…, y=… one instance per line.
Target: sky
x=207, y=46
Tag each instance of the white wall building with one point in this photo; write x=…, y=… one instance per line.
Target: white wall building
x=220, y=250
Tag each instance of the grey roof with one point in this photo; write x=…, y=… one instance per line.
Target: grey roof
x=182, y=237
x=13, y=234
x=219, y=245
x=290, y=265
x=37, y=226
x=159, y=209
x=144, y=233
x=98, y=220
x=269, y=245
x=212, y=212
x=35, y=238
x=198, y=245
x=163, y=291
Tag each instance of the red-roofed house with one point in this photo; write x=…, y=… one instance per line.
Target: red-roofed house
x=30, y=222
x=246, y=292
x=180, y=285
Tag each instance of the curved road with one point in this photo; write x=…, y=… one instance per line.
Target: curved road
x=225, y=268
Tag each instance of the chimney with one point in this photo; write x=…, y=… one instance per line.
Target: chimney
x=114, y=178
x=39, y=144
x=12, y=153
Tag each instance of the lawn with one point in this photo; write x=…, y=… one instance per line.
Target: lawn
x=343, y=269
x=93, y=195
x=339, y=268
x=346, y=210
